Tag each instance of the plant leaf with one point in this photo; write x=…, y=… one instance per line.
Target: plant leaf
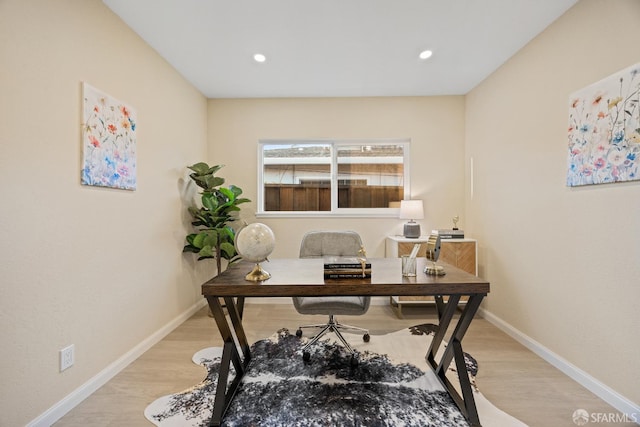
x=228, y=250
x=198, y=240
x=209, y=201
x=213, y=169
x=228, y=233
x=206, y=252
x=199, y=168
x=213, y=181
x=236, y=190
x=190, y=248
x=228, y=194
x=212, y=238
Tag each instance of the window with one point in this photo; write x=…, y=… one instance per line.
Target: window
x=335, y=177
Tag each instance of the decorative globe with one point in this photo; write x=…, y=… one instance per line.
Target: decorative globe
x=254, y=243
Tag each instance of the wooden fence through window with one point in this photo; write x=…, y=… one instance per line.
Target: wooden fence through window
x=317, y=197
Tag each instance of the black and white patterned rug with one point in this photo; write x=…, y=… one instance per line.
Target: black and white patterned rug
x=391, y=386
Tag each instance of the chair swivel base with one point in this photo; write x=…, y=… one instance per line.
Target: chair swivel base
x=332, y=326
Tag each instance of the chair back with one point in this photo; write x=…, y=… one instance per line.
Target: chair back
x=316, y=244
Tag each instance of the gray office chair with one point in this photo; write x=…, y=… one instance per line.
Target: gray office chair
x=318, y=244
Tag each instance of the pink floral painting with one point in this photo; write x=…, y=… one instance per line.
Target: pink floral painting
x=604, y=130
x=109, y=141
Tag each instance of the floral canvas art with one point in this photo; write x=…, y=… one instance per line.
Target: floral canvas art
x=604, y=130
x=109, y=141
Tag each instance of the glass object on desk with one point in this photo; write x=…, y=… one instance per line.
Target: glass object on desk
x=408, y=266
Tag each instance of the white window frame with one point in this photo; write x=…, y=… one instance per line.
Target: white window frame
x=335, y=210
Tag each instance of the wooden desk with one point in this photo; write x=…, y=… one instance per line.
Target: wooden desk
x=304, y=277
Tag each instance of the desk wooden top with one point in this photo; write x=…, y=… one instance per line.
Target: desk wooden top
x=304, y=277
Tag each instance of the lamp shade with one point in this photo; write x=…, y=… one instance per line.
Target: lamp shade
x=411, y=209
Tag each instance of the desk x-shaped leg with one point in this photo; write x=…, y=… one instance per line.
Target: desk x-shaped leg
x=230, y=354
x=466, y=403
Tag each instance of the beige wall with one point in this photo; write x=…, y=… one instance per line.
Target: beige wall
x=102, y=269
x=564, y=263
x=435, y=126
x=98, y=268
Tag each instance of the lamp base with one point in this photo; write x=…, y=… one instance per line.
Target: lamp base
x=411, y=230
x=257, y=274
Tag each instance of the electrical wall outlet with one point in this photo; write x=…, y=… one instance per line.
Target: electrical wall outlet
x=67, y=357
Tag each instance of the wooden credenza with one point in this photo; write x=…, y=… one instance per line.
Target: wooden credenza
x=462, y=253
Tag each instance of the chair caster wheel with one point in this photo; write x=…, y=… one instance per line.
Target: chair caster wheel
x=366, y=337
x=354, y=361
x=306, y=356
x=299, y=333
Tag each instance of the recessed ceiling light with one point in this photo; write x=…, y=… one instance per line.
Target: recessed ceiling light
x=425, y=54
x=258, y=57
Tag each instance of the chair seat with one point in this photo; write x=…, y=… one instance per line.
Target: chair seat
x=335, y=305
x=318, y=244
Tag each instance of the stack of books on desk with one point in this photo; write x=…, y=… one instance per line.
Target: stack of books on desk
x=346, y=267
x=450, y=234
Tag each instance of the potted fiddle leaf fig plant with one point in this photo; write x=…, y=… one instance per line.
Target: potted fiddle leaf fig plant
x=214, y=237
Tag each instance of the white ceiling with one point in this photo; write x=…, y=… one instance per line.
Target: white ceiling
x=321, y=48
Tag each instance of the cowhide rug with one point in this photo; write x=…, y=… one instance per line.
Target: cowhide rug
x=391, y=386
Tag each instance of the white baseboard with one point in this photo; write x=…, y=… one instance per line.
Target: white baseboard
x=601, y=390
x=61, y=408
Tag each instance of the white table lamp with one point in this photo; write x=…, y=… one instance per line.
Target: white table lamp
x=411, y=210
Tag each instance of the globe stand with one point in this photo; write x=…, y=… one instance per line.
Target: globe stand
x=257, y=274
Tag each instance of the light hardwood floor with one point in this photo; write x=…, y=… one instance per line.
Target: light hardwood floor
x=510, y=376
